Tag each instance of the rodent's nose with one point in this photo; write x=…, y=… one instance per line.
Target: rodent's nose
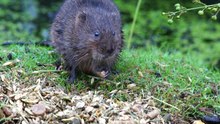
x=110, y=51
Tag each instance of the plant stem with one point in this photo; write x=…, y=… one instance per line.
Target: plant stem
x=46, y=71
x=165, y=103
x=196, y=8
x=133, y=23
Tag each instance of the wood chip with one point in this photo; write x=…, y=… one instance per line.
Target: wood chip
x=80, y=105
x=102, y=121
x=30, y=101
x=3, y=78
x=89, y=109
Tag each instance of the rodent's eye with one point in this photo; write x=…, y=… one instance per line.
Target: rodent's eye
x=97, y=34
x=113, y=33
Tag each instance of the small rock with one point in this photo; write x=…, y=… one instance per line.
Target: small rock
x=76, y=121
x=7, y=111
x=102, y=121
x=153, y=113
x=9, y=93
x=10, y=56
x=212, y=119
x=38, y=109
x=137, y=108
x=2, y=115
x=80, y=105
x=167, y=118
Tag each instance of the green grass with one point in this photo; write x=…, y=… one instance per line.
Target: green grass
x=185, y=80
x=186, y=74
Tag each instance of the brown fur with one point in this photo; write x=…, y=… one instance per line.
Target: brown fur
x=87, y=34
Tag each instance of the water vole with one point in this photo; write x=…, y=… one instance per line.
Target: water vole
x=87, y=34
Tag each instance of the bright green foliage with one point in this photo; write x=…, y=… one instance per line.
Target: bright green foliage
x=202, y=8
x=14, y=23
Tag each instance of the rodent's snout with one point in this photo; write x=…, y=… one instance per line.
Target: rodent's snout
x=109, y=51
x=106, y=51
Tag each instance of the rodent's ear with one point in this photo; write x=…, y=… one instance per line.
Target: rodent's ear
x=81, y=17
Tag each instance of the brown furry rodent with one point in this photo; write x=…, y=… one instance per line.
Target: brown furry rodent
x=87, y=34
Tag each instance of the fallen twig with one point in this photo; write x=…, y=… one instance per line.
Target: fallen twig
x=165, y=103
x=46, y=71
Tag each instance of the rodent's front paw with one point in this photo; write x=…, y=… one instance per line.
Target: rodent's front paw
x=72, y=77
x=103, y=74
x=71, y=80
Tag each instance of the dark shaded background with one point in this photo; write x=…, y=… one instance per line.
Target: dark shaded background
x=30, y=20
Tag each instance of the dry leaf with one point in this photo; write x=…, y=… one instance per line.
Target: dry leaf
x=140, y=74
x=11, y=63
x=3, y=78
x=132, y=86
